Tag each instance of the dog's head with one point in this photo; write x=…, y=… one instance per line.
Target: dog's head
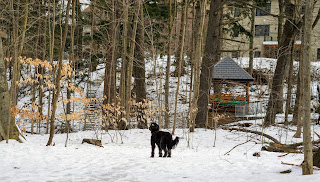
x=154, y=127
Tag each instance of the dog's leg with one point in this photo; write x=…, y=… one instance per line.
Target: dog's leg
x=153, y=146
x=169, y=153
x=160, y=151
x=165, y=153
x=164, y=146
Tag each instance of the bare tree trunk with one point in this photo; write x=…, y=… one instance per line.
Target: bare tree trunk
x=139, y=64
x=71, y=63
x=33, y=100
x=280, y=19
x=167, y=81
x=51, y=47
x=289, y=81
x=181, y=57
x=58, y=77
x=178, y=53
x=198, y=40
x=307, y=165
x=288, y=35
x=13, y=132
x=41, y=69
x=124, y=65
x=298, y=113
x=210, y=58
x=253, y=17
x=130, y=61
x=13, y=88
x=24, y=27
x=139, y=72
x=4, y=99
x=112, y=91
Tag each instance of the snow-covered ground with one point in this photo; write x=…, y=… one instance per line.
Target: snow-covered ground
x=126, y=154
x=130, y=160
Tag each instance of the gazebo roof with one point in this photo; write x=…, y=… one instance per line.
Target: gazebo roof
x=228, y=70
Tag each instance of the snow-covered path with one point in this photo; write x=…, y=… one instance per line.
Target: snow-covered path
x=130, y=161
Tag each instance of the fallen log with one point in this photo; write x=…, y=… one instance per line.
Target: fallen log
x=280, y=148
x=92, y=141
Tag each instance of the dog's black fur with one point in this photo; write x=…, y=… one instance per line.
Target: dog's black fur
x=163, y=140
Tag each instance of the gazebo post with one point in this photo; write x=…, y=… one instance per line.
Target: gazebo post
x=247, y=93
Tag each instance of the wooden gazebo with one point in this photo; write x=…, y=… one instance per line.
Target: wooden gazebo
x=227, y=71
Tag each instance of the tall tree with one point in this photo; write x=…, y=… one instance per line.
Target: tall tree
x=131, y=57
x=178, y=54
x=198, y=40
x=139, y=68
x=59, y=75
x=124, y=63
x=307, y=165
x=8, y=127
x=289, y=32
x=252, y=18
x=210, y=58
x=166, y=86
x=139, y=64
x=183, y=26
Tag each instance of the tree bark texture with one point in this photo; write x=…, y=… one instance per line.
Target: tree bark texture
x=289, y=32
x=166, y=86
x=185, y=9
x=307, y=165
x=210, y=58
x=5, y=118
x=139, y=64
x=198, y=39
x=130, y=59
x=252, y=29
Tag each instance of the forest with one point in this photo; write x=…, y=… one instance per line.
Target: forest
x=236, y=81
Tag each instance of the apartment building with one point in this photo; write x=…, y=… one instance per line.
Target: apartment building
x=266, y=35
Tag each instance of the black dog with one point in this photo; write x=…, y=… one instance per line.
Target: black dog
x=163, y=140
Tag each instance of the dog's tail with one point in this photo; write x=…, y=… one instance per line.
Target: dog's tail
x=175, y=142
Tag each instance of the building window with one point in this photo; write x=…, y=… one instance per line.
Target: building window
x=236, y=12
x=235, y=32
x=235, y=54
x=257, y=54
x=262, y=30
x=265, y=6
x=318, y=53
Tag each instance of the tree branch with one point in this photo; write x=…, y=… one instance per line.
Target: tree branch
x=237, y=146
x=316, y=20
x=255, y=132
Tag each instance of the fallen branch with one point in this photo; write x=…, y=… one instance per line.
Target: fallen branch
x=317, y=169
x=284, y=127
x=276, y=146
x=92, y=141
x=284, y=155
x=237, y=146
x=255, y=132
